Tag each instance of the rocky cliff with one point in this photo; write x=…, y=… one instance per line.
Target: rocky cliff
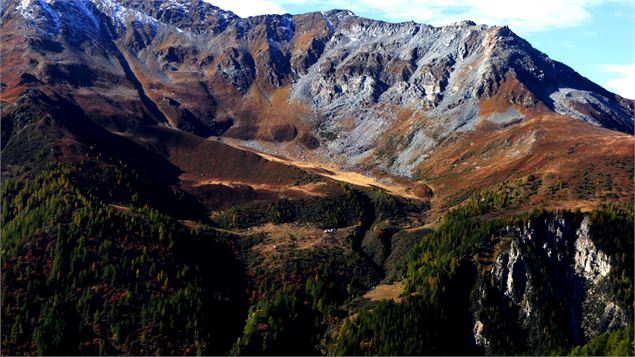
x=550, y=278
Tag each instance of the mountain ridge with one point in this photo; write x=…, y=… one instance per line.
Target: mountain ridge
x=369, y=96
x=158, y=13
x=179, y=180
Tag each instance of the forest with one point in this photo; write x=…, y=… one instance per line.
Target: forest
x=89, y=271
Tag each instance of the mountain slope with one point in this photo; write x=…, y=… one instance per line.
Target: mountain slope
x=213, y=57
x=369, y=96
x=179, y=180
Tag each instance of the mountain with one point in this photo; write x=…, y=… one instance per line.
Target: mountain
x=325, y=88
x=323, y=162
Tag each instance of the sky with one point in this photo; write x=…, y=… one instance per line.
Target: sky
x=594, y=37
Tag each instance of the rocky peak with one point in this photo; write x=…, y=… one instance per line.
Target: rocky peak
x=193, y=16
x=349, y=75
x=336, y=17
x=465, y=23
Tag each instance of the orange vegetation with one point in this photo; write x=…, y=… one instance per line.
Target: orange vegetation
x=565, y=154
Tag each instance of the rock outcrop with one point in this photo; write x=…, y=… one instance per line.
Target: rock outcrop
x=550, y=273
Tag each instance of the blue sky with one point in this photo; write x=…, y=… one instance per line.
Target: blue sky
x=594, y=37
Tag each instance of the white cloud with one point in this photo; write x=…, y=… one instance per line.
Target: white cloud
x=244, y=8
x=521, y=15
x=622, y=81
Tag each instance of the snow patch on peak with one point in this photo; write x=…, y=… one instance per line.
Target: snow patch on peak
x=338, y=14
x=120, y=13
x=174, y=4
x=23, y=6
x=47, y=17
x=463, y=23
x=115, y=9
x=344, y=13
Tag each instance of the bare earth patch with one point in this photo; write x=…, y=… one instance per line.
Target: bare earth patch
x=295, y=236
x=309, y=189
x=386, y=292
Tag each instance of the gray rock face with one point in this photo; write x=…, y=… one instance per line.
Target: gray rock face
x=589, y=263
x=354, y=74
x=599, y=311
x=238, y=68
x=554, y=260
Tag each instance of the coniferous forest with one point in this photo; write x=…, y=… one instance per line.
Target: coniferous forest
x=84, y=276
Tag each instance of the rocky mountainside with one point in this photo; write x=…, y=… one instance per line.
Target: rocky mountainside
x=323, y=85
x=327, y=89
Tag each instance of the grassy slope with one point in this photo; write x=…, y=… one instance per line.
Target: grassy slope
x=575, y=165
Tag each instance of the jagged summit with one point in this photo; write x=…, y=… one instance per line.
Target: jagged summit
x=333, y=82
